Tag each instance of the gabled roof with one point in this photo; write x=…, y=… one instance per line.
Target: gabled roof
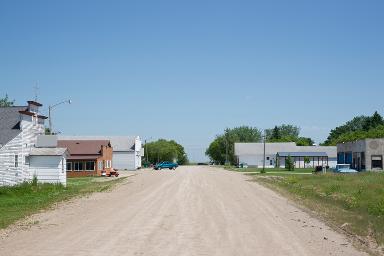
x=48, y=152
x=83, y=147
x=9, y=123
x=119, y=143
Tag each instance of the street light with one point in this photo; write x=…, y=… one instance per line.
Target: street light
x=50, y=110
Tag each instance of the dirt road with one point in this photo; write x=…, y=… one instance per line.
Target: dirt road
x=190, y=211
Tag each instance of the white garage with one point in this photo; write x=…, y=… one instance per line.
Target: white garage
x=48, y=165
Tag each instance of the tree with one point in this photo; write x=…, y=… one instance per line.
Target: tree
x=222, y=147
x=164, y=150
x=354, y=128
x=5, y=102
x=283, y=133
x=289, y=164
x=303, y=141
x=307, y=161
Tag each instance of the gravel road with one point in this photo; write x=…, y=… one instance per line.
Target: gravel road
x=190, y=211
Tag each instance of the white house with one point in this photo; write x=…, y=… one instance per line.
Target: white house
x=19, y=128
x=127, y=151
x=276, y=154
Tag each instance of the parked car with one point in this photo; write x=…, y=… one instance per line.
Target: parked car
x=243, y=165
x=344, y=168
x=166, y=165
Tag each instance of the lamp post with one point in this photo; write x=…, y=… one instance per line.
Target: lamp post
x=50, y=110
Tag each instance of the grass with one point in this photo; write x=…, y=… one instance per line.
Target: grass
x=354, y=202
x=271, y=170
x=25, y=199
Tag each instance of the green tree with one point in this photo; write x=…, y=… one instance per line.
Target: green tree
x=289, y=164
x=223, y=145
x=303, y=141
x=6, y=102
x=164, y=150
x=307, y=161
x=354, y=128
x=283, y=133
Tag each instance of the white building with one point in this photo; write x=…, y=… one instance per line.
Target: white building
x=49, y=164
x=127, y=151
x=19, y=128
x=276, y=154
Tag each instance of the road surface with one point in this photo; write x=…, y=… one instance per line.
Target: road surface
x=190, y=211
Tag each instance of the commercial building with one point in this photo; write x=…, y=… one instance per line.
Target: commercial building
x=362, y=155
x=277, y=153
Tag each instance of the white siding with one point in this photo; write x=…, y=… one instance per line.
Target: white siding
x=49, y=169
x=257, y=160
x=124, y=160
x=20, y=145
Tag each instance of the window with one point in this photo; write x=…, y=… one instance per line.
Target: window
x=90, y=166
x=69, y=166
x=26, y=160
x=270, y=162
x=108, y=164
x=78, y=166
x=267, y=158
x=377, y=162
x=100, y=165
x=16, y=160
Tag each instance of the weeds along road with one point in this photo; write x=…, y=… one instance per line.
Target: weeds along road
x=190, y=211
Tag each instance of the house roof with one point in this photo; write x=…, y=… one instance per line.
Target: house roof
x=9, y=123
x=274, y=148
x=48, y=152
x=83, y=147
x=302, y=154
x=119, y=143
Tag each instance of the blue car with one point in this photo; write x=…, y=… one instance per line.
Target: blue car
x=344, y=168
x=166, y=165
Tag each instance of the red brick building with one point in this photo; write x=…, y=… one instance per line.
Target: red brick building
x=88, y=157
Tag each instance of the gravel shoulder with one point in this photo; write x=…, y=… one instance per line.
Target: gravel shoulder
x=191, y=211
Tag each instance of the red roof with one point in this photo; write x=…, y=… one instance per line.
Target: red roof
x=83, y=147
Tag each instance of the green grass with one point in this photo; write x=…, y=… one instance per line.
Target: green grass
x=271, y=170
x=354, y=201
x=23, y=200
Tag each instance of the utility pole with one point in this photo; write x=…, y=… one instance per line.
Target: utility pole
x=264, y=153
x=226, y=151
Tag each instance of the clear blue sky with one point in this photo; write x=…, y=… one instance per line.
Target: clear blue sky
x=131, y=67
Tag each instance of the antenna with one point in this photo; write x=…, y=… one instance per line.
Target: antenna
x=36, y=89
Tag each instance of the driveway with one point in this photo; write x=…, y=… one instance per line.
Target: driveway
x=191, y=211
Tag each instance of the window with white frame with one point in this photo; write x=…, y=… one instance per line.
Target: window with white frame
x=100, y=165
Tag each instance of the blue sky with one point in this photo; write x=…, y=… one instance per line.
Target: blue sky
x=185, y=70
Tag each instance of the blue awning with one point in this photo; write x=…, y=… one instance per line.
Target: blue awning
x=302, y=154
